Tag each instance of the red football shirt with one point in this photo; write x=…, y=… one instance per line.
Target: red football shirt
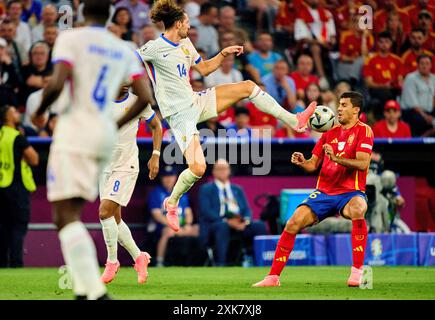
x=381, y=130
x=383, y=69
x=337, y=179
x=302, y=83
x=409, y=59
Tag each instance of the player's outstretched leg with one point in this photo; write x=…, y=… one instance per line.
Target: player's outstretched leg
x=78, y=249
x=107, y=212
x=302, y=218
x=355, y=210
x=228, y=94
x=197, y=166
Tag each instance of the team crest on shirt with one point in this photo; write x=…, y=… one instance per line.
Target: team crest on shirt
x=185, y=51
x=341, y=145
x=350, y=139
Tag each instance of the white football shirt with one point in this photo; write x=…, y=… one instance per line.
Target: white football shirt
x=100, y=64
x=168, y=65
x=125, y=155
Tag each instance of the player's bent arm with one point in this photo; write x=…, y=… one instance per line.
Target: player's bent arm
x=143, y=98
x=311, y=165
x=54, y=88
x=31, y=156
x=361, y=162
x=157, y=132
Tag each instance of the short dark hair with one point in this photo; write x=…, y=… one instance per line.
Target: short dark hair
x=356, y=98
x=423, y=56
x=116, y=13
x=385, y=35
x=206, y=8
x=3, y=112
x=10, y=3
x=98, y=9
x=417, y=30
x=166, y=11
x=241, y=110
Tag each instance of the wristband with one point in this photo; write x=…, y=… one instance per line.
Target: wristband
x=156, y=152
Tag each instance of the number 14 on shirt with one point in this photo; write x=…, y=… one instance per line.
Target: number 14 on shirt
x=182, y=70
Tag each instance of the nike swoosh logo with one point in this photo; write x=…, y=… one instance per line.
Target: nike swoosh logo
x=165, y=55
x=113, y=194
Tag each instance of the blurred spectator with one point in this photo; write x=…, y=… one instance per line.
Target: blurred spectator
x=207, y=34
x=425, y=22
x=227, y=22
x=224, y=212
x=210, y=127
x=23, y=35
x=225, y=74
x=344, y=14
x=155, y=200
x=285, y=17
x=381, y=16
x=383, y=74
x=355, y=45
x=409, y=57
x=16, y=51
x=139, y=12
x=280, y=86
x=147, y=33
x=2, y=9
x=414, y=9
x=192, y=34
x=377, y=215
x=264, y=58
x=315, y=30
x=418, y=97
x=35, y=72
x=395, y=28
x=16, y=183
x=313, y=93
x=9, y=80
x=227, y=39
x=264, y=9
x=31, y=12
x=117, y=31
x=193, y=8
x=122, y=18
x=49, y=127
x=241, y=126
x=392, y=126
x=303, y=75
x=50, y=36
x=48, y=18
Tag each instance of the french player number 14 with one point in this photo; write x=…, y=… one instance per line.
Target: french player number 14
x=182, y=70
x=100, y=90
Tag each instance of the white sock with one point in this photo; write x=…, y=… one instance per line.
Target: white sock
x=185, y=181
x=79, y=253
x=266, y=103
x=126, y=240
x=110, y=233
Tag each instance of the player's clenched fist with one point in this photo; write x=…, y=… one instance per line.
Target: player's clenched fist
x=329, y=152
x=238, y=50
x=298, y=158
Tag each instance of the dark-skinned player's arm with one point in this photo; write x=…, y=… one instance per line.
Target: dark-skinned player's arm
x=62, y=71
x=310, y=165
x=156, y=129
x=361, y=162
x=143, y=98
x=208, y=66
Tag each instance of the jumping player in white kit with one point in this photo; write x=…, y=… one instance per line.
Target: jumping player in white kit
x=168, y=60
x=93, y=64
x=117, y=185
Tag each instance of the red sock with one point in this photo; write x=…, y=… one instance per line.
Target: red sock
x=359, y=240
x=283, y=249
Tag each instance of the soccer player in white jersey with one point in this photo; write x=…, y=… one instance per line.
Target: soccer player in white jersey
x=117, y=185
x=93, y=64
x=168, y=60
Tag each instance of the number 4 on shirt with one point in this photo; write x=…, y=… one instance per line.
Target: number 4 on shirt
x=182, y=70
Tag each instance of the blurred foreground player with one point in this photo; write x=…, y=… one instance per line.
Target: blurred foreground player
x=93, y=63
x=344, y=152
x=117, y=185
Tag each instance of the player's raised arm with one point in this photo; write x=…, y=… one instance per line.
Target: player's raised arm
x=50, y=94
x=153, y=164
x=208, y=66
x=310, y=165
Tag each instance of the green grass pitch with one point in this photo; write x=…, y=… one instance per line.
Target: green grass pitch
x=176, y=283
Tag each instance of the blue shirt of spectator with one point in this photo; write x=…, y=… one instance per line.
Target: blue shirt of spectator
x=275, y=89
x=264, y=65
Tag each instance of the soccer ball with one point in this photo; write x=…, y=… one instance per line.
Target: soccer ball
x=322, y=119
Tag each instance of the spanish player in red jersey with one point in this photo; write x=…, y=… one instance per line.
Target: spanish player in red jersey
x=344, y=153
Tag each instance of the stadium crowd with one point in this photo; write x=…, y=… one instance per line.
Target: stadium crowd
x=298, y=51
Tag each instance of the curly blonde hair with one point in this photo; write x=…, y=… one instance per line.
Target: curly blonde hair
x=166, y=11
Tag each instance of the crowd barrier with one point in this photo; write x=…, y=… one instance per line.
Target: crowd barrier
x=415, y=249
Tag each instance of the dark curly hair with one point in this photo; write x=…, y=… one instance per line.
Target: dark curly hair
x=166, y=11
